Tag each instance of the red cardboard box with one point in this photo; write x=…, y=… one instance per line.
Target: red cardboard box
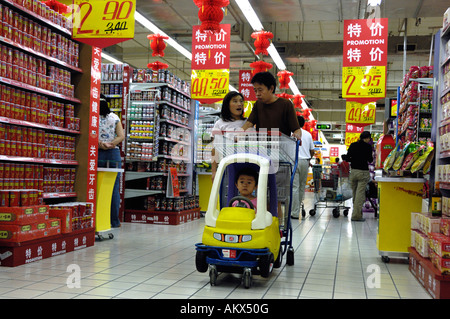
x=53, y=226
x=17, y=233
x=18, y=215
x=65, y=215
x=442, y=264
x=440, y=244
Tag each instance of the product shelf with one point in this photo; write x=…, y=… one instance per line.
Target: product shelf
x=37, y=160
x=36, y=89
x=40, y=54
x=8, y=120
x=58, y=195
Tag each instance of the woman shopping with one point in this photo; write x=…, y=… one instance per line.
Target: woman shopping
x=110, y=135
x=231, y=119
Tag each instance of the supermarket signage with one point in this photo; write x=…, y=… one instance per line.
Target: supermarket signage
x=364, y=58
x=245, y=85
x=352, y=133
x=210, y=64
x=102, y=23
x=323, y=126
x=360, y=112
x=93, y=125
x=211, y=50
x=334, y=151
x=364, y=82
x=351, y=137
x=209, y=86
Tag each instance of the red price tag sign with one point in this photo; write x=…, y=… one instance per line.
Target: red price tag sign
x=360, y=113
x=351, y=138
x=363, y=82
x=209, y=86
x=103, y=22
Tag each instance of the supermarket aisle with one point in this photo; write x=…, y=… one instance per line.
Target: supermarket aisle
x=334, y=258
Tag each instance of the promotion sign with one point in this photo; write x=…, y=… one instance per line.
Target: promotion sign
x=352, y=133
x=210, y=64
x=245, y=85
x=365, y=58
x=102, y=23
x=360, y=112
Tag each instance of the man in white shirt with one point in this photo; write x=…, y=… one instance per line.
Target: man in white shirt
x=305, y=153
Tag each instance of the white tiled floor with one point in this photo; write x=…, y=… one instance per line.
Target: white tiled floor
x=332, y=256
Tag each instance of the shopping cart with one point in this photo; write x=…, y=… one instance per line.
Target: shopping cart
x=331, y=189
x=234, y=238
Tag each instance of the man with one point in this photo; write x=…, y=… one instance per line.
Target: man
x=359, y=155
x=270, y=111
x=305, y=153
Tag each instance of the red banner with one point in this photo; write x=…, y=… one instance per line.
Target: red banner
x=354, y=128
x=93, y=125
x=334, y=151
x=211, y=50
x=245, y=86
x=365, y=42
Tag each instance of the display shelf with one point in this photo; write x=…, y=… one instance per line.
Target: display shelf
x=37, y=17
x=38, y=54
x=37, y=160
x=58, y=195
x=162, y=120
x=7, y=120
x=162, y=217
x=36, y=89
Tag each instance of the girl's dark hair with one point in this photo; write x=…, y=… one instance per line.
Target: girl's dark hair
x=247, y=172
x=104, y=106
x=225, y=114
x=265, y=78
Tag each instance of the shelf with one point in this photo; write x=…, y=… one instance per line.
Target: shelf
x=130, y=175
x=176, y=106
x=7, y=120
x=131, y=193
x=176, y=158
x=37, y=17
x=28, y=87
x=58, y=195
x=40, y=54
x=162, y=138
x=37, y=160
x=174, y=123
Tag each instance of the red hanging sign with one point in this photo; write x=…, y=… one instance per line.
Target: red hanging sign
x=94, y=104
x=245, y=86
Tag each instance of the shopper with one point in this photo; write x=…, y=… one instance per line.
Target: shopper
x=231, y=118
x=305, y=153
x=270, y=111
x=110, y=135
x=359, y=155
x=246, y=184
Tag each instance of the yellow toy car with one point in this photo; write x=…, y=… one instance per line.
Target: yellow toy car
x=236, y=239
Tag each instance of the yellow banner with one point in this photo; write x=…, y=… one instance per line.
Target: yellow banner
x=103, y=18
x=208, y=85
x=358, y=113
x=363, y=82
x=351, y=138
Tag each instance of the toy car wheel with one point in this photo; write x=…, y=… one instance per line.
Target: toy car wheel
x=213, y=275
x=277, y=263
x=303, y=212
x=336, y=212
x=200, y=261
x=247, y=278
x=312, y=212
x=290, y=256
x=346, y=212
x=265, y=265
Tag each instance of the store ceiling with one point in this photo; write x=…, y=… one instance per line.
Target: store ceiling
x=307, y=33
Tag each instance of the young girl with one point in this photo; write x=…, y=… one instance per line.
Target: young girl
x=247, y=183
x=231, y=118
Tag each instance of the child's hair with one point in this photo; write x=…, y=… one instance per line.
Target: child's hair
x=225, y=113
x=104, y=106
x=248, y=172
x=265, y=78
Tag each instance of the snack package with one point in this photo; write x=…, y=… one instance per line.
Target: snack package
x=399, y=160
x=390, y=159
x=412, y=157
x=425, y=157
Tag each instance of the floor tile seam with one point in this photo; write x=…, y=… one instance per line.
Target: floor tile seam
x=312, y=261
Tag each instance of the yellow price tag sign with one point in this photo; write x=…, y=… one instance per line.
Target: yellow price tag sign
x=360, y=113
x=209, y=86
x=351, y=137
x=363, y=82
x=103, y=19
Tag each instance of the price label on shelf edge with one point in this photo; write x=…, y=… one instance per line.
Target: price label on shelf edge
x=364, y=82
x=103, y=22
x=360, y=112
x=209, y=86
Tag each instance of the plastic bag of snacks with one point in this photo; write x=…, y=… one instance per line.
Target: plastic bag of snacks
x=412, y=157
x=401, y=155
x=390, y=159
x=425, y=157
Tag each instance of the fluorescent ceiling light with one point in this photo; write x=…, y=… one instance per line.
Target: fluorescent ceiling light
x=110, y=58
x=373, y=3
